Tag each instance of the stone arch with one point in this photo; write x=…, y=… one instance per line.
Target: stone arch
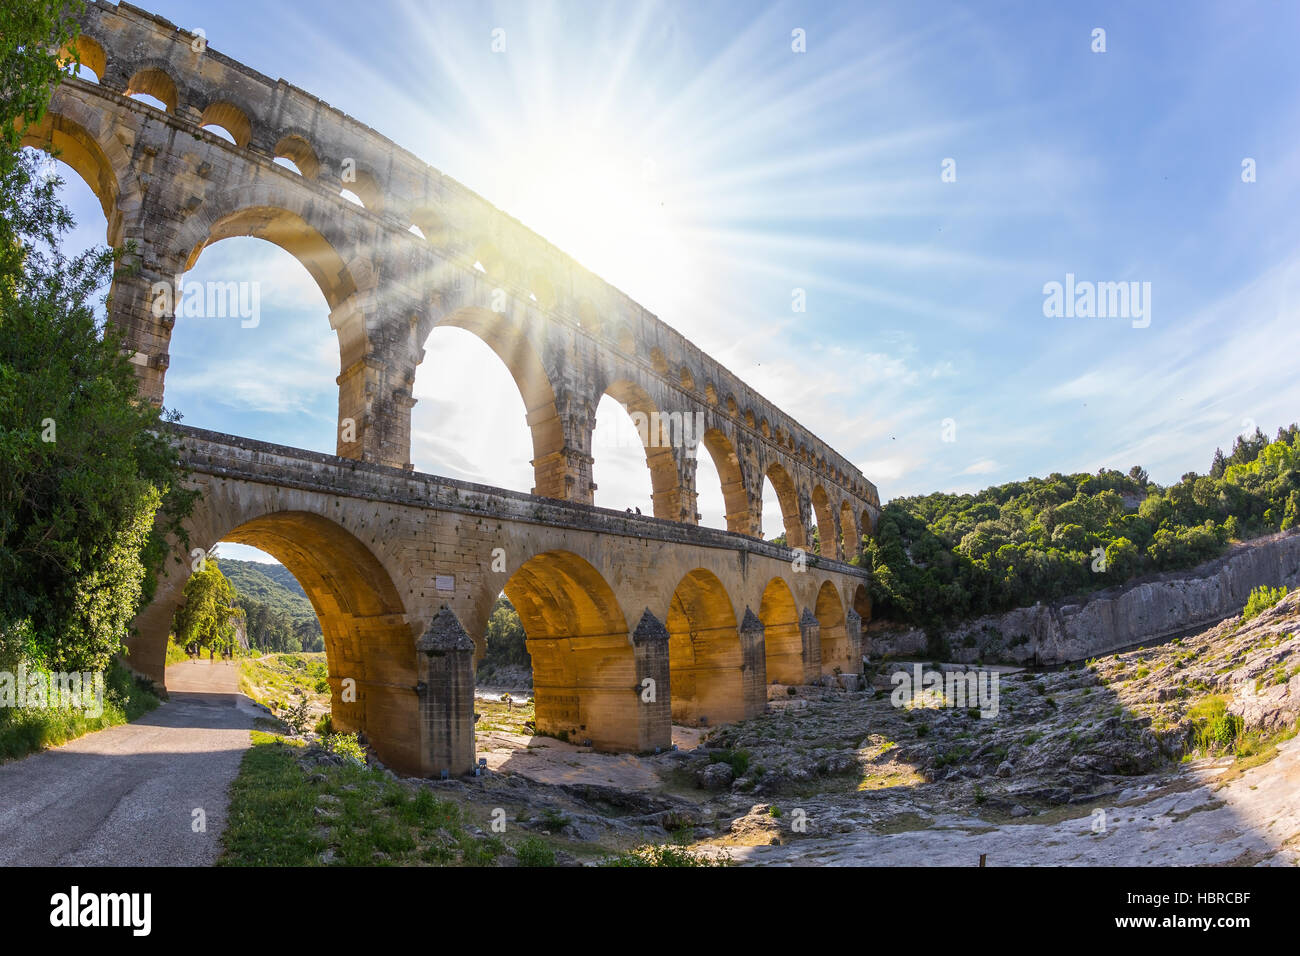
x=276, y=215
x=626, y=339
x=89, y=52
x=105, y=168
x=788, y=497
x=368, y=639
x=659, y=361
x=231, y=118
x=656, y=437
x=862, y=602
x=300, y=152
x=782, y=637
x=365, y=186
x=834, y=633
x=271, y=215
x=490, y=259
x=705, y=658
x=431, y=223
x=513, y=346
x=543, y=291
x=734, y=495
x=584, y=665
x=156, y=82
x=821, y=505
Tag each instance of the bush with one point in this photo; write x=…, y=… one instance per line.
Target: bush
x=345, y=745
x=1260, y=600
x=297, y=716
x=1214, y=730
x=737, y=759
x=533, y=851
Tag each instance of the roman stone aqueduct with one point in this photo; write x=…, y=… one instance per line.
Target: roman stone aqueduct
x=633, y=622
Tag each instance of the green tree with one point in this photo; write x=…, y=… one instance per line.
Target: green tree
x=505, y=636
x=1122, y=559
x=939, y=557
x=206, y=617
x=84, y=469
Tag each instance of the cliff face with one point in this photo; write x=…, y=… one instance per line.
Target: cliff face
x=1106, y=621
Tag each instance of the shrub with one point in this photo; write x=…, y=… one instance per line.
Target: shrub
x=297, y=716
x=1260, y=600
x=553, y=821
x=737, y=759
x=533, y=851
x=1214, y=730
x=345, y=745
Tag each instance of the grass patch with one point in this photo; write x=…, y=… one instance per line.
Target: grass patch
x=287, y=811
x=665, y=855
x=1214, y=730
x=277, y=680
x=512, y=718
x=892, y=778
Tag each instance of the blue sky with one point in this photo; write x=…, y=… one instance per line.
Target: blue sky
x=687, y=154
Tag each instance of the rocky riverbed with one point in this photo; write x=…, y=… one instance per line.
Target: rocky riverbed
x=1180, y=753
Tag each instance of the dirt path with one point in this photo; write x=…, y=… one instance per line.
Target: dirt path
x=127, y=795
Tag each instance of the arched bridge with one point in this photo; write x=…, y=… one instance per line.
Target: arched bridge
x=399, y=565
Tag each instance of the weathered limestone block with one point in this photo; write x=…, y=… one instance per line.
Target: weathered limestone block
x=810, y=630
x=446, y=692
x=654, y=720
x=754, y=666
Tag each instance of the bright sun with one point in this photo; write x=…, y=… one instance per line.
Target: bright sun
x=606, y=208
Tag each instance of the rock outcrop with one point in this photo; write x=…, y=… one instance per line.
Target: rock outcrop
x=1142, y=613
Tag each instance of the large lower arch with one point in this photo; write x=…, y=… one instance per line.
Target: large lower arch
x=369, y=644
x=781, y=634
x=705, y=658
x=514, y=348
x=862, y=607
x=584, y=665
x=836, y=650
